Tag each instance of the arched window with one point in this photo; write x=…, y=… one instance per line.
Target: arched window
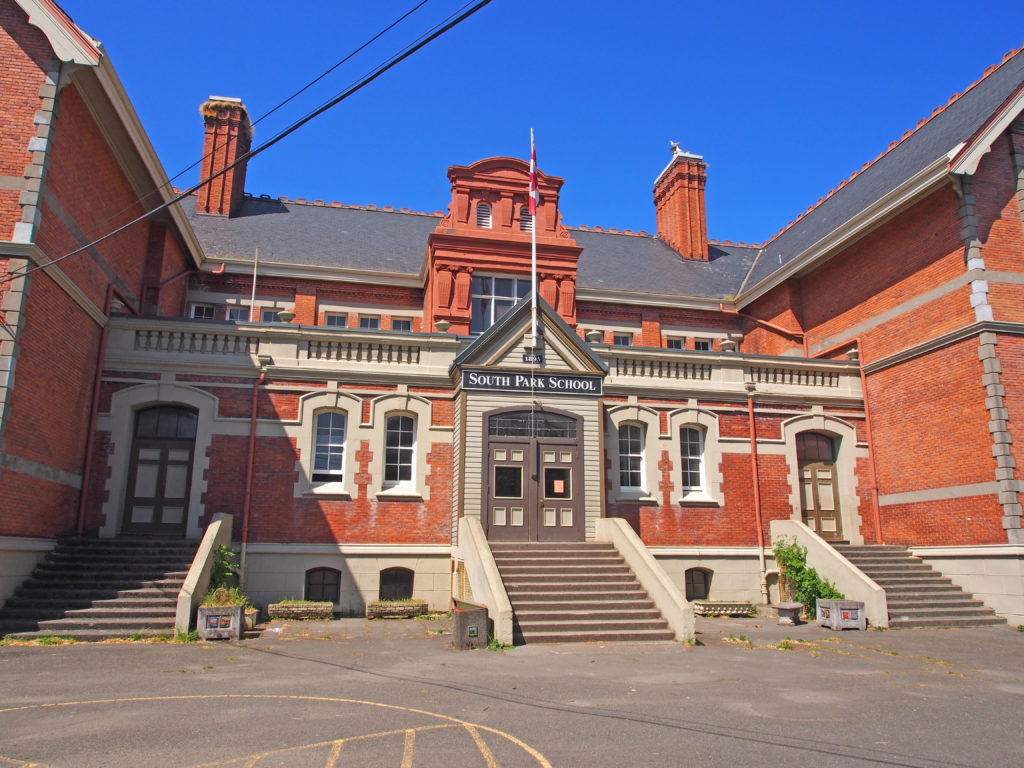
x=691, y=449
x=396, y=584
x=329, y=448
x=399, y=445
x=483, y=215
x=698, y=583
x=323, y=585
x=631, y=456
x=525, y=219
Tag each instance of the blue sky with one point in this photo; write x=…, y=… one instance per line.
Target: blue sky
x=783, y=100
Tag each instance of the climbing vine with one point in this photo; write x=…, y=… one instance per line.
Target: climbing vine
x=798, y=581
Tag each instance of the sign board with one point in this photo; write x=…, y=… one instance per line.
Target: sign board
x=538, y=384
x=535, y=358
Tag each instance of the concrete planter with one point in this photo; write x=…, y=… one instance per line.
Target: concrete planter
x=301, y=611
x=220, y=622
x=385, y=609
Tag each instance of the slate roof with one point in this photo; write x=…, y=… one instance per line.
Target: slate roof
x=956, y=122
x=644, y=263
x=306, y=234
x=314, y=234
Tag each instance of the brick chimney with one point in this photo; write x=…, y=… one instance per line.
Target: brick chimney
x=679, y=204
x=228, y=136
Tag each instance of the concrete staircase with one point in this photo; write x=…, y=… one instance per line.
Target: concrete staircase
x=575, y=592
x=94, y=589
x=917, y=595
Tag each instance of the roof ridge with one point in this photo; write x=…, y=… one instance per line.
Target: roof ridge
x=338, y=204
x=611, y=230
x=906, y=135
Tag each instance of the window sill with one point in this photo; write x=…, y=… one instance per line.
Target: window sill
x=640, y=497
x=329, y=490
x=698, y=500
x=399, y=493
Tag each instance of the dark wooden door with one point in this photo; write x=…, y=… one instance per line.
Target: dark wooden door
x=160, y=475
x=819, y=486
x=533, y=478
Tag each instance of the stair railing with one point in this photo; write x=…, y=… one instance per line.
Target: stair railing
x=484, y=578
x=831, y=565
x=652, y=577
x=198, y=580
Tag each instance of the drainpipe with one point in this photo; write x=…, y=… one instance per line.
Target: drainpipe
x=867, y=425
x=754, y=476
x=94, y=404
x=248, y=477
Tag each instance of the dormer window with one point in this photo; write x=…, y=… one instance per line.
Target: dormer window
x=483, y=215
x=525, y=219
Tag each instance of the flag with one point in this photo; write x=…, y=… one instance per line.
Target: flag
x=534, y=194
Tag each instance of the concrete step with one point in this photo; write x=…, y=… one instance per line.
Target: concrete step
x=564, y=569
x=141, y=612
x=529, y=627
x=566, y=596
x=623, y=636
x=926, y=611
x=569, y=587
x=94, y=635
x=936, y=600
x=551, y=562
x=640, y=603
x=945, y=622
x=34, y=586
x=578, y=614
x=112, y=624
x=932, y=579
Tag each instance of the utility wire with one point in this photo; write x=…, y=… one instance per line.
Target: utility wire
x=357, y=86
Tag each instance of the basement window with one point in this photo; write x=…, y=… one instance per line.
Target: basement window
x=323, y=585
x=698, y=583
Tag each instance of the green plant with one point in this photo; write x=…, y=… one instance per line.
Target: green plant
x=135, y=636
x=186, y=637
x=51, y=640
x=802, y=583
x=7, y=639
x=225, y=596
x=294, y=601
x=224, y=568
x=1020, y=628
x=494, y=645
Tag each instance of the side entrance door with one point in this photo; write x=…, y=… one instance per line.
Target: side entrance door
x=160, y=475
x=819, y=490
x=533, y=484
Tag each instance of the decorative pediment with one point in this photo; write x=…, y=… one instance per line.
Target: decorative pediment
x=506, y=345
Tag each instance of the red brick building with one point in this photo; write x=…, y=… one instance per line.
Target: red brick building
x=360, y=390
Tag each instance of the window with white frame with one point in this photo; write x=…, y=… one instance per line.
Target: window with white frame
x=401, y=324
x=483, y=215
x=675, y=343
x=631, y=457
x=336, y=321
x=399, y=444
x=691, y=450
x=622, y=339
x=493, y=296
x=202, y=311
x=525, y=219
x=369, y=322
x=702, y=345
x=329, y=448
x=238, y=314
x=269, y=316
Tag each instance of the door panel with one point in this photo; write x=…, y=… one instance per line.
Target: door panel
x=560, y=489
x=819, y=490
x=160, y=476
x=509, y=491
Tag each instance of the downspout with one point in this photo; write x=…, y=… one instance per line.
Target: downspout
x=94, y=405
x=248, y=477
x=867, y=426
x=754, y=476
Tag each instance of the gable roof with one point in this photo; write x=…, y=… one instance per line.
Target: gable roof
x=930, y=146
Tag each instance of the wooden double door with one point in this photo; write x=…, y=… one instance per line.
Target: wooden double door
x=533, y=485
x=160, y=475
x=819, y=486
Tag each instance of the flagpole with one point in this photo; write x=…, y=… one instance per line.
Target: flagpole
x=533, y=242
x=252, y=302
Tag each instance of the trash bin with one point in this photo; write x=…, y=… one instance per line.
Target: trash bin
x=841, y=614
x=469, y=626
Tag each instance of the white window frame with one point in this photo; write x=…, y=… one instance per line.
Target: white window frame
x=700, y=487
x=420, y=409
x=336, y=320
x=331, y=477
x=310, y=406
x=410, y=463
x=706, y=422
x=622, y=339
x=247, y=311
x=493, y=298
x=678, y=341
x=204, y=307
x=401, y=320
x=264, y=311
x=654, y=443
x=372, y=322
x=698, y=343
x=641, y=486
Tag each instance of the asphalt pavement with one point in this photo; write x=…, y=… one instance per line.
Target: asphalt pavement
x=394, y=693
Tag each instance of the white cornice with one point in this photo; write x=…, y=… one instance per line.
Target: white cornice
x=68, y=41
x=966, y=160
x=855, y=227
x=611, y=296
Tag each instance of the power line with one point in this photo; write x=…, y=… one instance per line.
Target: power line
x=372, y=75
